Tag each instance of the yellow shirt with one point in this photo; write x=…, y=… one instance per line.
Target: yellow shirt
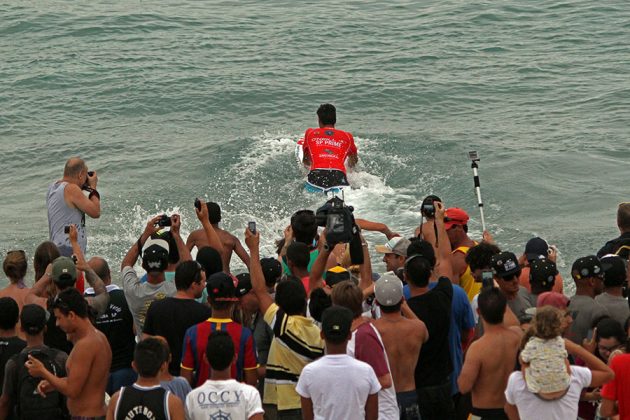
x=466, y=280
x=296, y=342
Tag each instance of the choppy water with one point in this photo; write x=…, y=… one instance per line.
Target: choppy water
x=172, y=100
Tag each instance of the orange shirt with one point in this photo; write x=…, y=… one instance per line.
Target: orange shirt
x=524, y=281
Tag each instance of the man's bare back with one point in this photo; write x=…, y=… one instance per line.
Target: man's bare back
x=403, y=339
x=91, y=352
x=230, y=243
x=489, y=362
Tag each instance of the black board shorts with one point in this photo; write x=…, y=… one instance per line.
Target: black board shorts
x=327, y=178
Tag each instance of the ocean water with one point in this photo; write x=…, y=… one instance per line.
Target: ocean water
x=168, y=101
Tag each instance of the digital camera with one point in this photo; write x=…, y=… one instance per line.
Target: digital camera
x=340, y=226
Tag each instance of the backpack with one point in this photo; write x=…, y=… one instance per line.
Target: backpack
x=31, y=405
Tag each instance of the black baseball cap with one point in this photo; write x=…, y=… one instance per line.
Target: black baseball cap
x=543, y=272
x=336, y=274
x=244, y=284
x=586, y=267
x=614, y=270
x=505, y=264
x=222, y=287
x=33, y=319
x=272, y=270
x=536, y=248
x=336, y=323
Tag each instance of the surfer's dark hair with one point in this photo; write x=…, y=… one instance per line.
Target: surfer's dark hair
x=327, y=114
x=304, y=226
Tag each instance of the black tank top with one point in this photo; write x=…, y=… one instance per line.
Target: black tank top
x=141, y=403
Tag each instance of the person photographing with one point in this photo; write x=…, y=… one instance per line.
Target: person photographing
x=68, y=201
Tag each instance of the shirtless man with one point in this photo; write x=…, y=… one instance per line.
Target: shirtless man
x=88, y=363
x=403, y=337
x=198, y=238
x=491, y=359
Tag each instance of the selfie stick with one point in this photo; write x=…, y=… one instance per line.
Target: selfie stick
x=475, y=158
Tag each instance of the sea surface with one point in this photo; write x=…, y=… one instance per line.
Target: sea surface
x=174, y=100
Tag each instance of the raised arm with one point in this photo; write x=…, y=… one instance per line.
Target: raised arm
x=365, y=269
x=443, y=254
x=375, y=227
x=100, y=300
x=37, y=293
x=90, y=205
x=315, y=278
x=252, y=240
x=241, y=252
x=176, y=223
x=132, y=255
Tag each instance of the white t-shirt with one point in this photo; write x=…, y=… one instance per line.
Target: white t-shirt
x=223, y=399
x=531, y=406
x=339, y=386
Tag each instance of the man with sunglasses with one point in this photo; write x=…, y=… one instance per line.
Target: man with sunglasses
x=506, y=272
x=87, y=365
x=69, y=200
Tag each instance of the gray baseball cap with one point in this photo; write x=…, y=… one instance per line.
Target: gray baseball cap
x=388, y=289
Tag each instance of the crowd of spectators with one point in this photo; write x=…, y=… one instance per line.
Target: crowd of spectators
x=455, y=327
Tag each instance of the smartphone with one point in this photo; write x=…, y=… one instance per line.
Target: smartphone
x=66, y=229
x=473, y=155
x=252, y=227
x=198, y=204
x=487, y=279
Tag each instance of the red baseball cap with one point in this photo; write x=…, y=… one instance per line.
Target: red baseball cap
x=555, y=299
x=455, y=216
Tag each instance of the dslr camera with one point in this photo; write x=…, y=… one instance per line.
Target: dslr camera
x=340, y=226
x=427, y=208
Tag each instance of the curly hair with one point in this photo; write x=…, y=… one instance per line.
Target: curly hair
x=547, y=323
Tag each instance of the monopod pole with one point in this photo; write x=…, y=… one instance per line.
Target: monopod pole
x=475, y=158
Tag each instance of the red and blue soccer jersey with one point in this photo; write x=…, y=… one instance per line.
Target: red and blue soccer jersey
x=328, y=148
x=196, y=340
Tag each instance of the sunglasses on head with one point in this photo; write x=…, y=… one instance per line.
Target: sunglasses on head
x=58, y=303
x=20, y=251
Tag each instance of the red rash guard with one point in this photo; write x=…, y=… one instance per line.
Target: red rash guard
x=328, y=148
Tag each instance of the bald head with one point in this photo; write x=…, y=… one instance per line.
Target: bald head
x=101, y=268
x=73, y=167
